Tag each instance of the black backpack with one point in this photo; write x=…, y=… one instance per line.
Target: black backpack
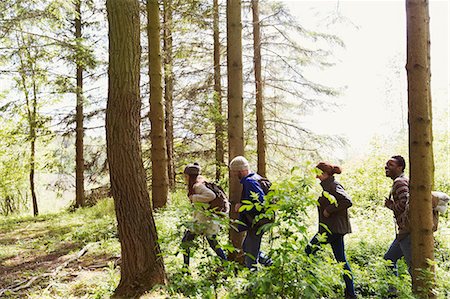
x=220, y=203
x=265, y=185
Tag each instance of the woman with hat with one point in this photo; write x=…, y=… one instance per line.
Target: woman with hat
x=203, y=225
x=333, y=220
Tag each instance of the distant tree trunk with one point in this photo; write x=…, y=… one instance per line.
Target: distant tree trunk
x=160, y=180
x=33, y=128
x=168, y=90
x=420, y=146
x=219, y=126
x=142, y=266
x=31, y=112
x=260, y=132
x=235, y=104
x=27, y=62
x=79, y=159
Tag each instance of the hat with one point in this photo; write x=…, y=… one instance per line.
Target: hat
x=239, y=163
x=329, y=168
x=192, y=169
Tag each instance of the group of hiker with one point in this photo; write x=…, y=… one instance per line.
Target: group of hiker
x=334, y=221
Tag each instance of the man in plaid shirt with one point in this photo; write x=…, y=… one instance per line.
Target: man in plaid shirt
x=398, y=202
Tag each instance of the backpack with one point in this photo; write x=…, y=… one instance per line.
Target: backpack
x=265, y=185
x=220, y=203
x=439, y=201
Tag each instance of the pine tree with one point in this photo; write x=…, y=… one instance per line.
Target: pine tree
x=420, y=147
x=142, y=266
x=235, y=105
x=160, y=180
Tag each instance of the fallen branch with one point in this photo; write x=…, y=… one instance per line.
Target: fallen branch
x=27, y=283
x=117, y=262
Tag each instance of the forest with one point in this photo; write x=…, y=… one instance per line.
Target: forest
x=224, y=149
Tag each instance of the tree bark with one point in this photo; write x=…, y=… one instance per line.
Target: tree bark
x=79, y=130
x=142, y=266
x=31, y=106
x=33, y=138
x=218, y=119
x=420, y=146
x=235, y=105
x=160, y=180
x=168, y=90
x=260, y=132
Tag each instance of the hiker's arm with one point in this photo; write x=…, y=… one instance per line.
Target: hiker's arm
x=202, y=194
x=249, y=188
x=342, y=198
x=256, y=189
x=388, y=203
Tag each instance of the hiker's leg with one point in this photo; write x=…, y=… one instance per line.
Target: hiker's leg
x=337, y=244
x=313, y=245
x=405, y=245
x=186, y=243
x=251, y=246
x=393, y=254
x=264, y=260
x=212, y=240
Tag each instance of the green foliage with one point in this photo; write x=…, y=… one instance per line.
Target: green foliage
x=292, y=275
x=367, y=181
x=13, y=169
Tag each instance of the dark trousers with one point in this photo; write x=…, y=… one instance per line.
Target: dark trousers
x=397, y=250
x=186, y=244
x=337, y=244
x=252, y=243
x=251, y=246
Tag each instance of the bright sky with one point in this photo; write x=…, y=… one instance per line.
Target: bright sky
x=372, y=66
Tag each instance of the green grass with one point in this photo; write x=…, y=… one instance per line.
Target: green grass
x=34, y=246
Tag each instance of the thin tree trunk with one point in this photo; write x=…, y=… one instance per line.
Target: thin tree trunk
x=32, y=170
x=219, y=125
x=235, y=105
x=260, y=132
x=142, y=266
x=168, y=90
x=79, y=159
x=33, y=143
x=31, y=105
x=160, y=180
x=420, y=146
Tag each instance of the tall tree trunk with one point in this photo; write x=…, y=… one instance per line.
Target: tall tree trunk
x=235, y=104
x=26, y=62
x=79, y=131
x=142, y=266
x=32, y=170
x=168, y=90
x=31, y=112
x=420, y=146
x=33, y=123
x=260, y=132
x=218, y=119
x=160, y=180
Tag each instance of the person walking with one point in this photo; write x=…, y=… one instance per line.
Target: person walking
x=333, y=220
x=251, y=186
x=203, y=224
x=398, y=202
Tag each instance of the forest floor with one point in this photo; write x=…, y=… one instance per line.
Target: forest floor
x=58, y=255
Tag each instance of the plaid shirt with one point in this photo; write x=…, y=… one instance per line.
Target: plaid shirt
x=400, y=197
